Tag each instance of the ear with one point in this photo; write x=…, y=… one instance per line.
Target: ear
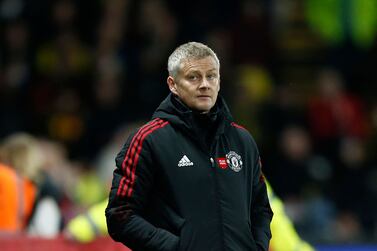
x=172, y=85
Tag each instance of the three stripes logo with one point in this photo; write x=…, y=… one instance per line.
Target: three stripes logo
x=185, y=162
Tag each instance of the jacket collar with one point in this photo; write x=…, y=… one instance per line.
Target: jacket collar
x=178, y=114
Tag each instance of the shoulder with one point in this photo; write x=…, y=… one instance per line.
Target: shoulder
x=137, y=140
x=243, y=133
x=240, y=129
x=147, y=130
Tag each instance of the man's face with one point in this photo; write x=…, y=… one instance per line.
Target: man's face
x=197, y=83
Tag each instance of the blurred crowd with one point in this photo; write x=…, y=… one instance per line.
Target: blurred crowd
x=76, y=76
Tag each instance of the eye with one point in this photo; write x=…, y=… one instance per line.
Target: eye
x=211, y=76
x=192, y=77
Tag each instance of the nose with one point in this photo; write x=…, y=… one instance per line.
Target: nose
x=204, y=84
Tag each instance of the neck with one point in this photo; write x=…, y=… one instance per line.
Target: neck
x=189, y=108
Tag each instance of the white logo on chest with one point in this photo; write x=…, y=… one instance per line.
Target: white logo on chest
x=234, y=161
x=185, y=162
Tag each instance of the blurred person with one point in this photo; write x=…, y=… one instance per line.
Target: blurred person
x=292, y=160
x=284, y=109
x=355, y=202
x=17, y=198
x=254, y=90
x=57, y=167
x=306, y=187
x=347, y=228
x=340, y=112
x=22, y=152
x=284, y=235
x=88, y=188
x=77, y=183
x=191, y=178
x=334, y=113
x=91, y=223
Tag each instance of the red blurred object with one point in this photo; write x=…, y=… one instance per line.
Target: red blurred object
x=342, y=115
x=23, y=243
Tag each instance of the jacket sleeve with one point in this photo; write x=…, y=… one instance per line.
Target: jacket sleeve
x=261, y=213
x=132, y=182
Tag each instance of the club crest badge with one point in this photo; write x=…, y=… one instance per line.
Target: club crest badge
x=234, y=161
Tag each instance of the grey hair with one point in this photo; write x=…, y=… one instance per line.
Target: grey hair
x=190, y=50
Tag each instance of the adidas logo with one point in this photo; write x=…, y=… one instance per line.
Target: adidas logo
x=185, y=162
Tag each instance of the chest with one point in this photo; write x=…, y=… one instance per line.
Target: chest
x=181, y=162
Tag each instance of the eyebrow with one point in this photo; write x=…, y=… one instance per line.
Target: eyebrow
x=197, y=71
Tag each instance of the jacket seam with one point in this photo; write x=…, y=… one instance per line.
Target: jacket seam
x=219, y=209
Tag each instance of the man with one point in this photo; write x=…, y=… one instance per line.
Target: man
x=190, y=179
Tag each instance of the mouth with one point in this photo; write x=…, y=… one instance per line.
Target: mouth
x=204, y=96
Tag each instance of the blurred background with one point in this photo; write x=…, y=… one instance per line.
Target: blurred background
x=300, y=75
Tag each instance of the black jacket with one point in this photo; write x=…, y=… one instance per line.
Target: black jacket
x=189, y=182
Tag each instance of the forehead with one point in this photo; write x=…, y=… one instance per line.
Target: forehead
x=202, y=65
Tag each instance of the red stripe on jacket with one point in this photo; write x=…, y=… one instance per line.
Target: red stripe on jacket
x=131, y=159
x=237, y=126
x=127, y=157
x=161, y=124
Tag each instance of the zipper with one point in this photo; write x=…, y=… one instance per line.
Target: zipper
x=217, y=196
x=212, y=162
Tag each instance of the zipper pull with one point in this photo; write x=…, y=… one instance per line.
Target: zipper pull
x=212, y=162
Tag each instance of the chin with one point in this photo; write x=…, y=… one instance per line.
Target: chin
x=204, y=109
